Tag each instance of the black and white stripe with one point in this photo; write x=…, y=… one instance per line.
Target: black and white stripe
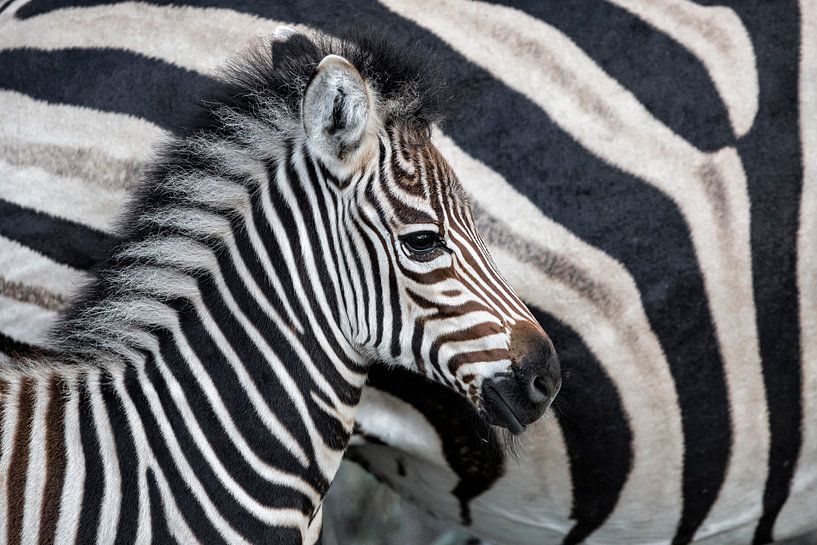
x=642, y=174
x=202, y=387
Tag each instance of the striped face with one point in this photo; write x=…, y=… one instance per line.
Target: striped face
x=419, y=287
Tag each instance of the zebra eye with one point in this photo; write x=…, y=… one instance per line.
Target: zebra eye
x=422, y=242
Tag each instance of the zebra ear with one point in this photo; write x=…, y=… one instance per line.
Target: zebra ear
x=336, y=110
x=283, y=33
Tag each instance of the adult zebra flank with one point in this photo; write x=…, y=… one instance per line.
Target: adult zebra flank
x=202, y=387
x=642, y=172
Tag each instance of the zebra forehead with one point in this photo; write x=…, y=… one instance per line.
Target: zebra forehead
x=439, y=175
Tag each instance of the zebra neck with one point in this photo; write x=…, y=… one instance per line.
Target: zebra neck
x=235, y=411
x=223, y=326
x=126, y=452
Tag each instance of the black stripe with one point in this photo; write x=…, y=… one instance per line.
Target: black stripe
x=94, y=484
x=597, y=435
x=128, y=464
x=242, y=521
x=159, y=532
x=12, y=347
x=771, y=156
x=190, y=508
x=61, y=240
x=63, y=76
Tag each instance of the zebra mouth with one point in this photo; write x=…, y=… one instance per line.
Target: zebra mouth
x=499, y=411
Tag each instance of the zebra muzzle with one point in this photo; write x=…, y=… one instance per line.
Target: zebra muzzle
x=513, y=405
x=521, y=396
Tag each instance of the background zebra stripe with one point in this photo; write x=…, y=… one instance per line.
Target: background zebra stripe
x=625, y=259
x=794, y=513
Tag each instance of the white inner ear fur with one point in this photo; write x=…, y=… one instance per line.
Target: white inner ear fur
x=339, y=116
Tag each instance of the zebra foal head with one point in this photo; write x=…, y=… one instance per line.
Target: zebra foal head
x=417, y=285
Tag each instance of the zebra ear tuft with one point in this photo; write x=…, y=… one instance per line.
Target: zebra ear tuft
x=336, y=110
x=283, y=33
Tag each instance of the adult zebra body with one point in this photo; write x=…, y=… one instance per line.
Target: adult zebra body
x=598, y=136
x=203, y=387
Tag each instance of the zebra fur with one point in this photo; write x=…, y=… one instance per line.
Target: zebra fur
x=603, y=255
x=203, y=387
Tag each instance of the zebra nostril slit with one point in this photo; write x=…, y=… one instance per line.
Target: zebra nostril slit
x=540, y=392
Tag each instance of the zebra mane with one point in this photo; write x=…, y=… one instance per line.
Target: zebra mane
x=202, y=180
x=406, y=80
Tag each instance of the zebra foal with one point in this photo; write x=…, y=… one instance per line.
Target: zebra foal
x=202, y=388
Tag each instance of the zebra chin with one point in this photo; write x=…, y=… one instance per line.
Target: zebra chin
x=521, y=395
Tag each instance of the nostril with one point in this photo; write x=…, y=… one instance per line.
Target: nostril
x=539, y=390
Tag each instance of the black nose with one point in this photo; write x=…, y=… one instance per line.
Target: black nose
x=516, y=399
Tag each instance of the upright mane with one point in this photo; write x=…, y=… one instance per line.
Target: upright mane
x=408, y=84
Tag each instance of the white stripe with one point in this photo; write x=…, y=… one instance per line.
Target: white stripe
x=73, y=489
x=173, y=516
x=717, y=37
x=27, y=323
x=7, y=433
x=141, y=458
x=19, y=263
x=36, y=471
x=619, y=336
x=225, y=529
x=67, y=198
x=800, y=511
x=112, y=493
x=122, y=136
x=199, y=39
